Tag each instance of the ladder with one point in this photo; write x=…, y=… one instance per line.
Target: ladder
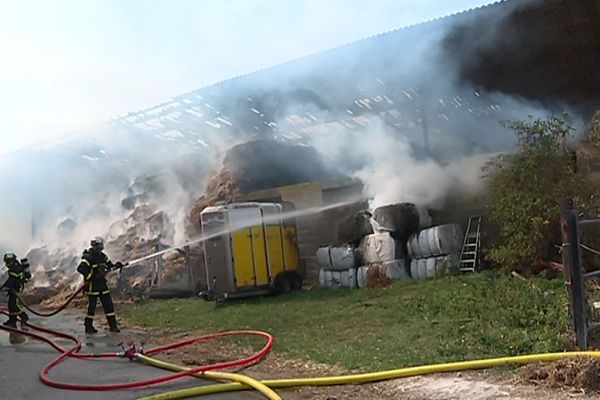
x=469, y=255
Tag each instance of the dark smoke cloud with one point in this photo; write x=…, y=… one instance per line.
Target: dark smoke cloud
x=264, y=164
x=517, y=54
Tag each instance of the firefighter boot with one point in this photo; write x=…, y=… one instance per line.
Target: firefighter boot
x=112, y=323
x=89, y=326
x=12, y=322
x=24, y=317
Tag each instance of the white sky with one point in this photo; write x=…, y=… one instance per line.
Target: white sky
x=66, y=65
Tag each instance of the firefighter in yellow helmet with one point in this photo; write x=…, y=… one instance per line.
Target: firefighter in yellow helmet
x=94, y=266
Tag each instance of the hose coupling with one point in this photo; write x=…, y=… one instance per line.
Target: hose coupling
x=131, y=351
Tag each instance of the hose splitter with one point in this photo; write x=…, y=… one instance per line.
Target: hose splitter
x=131, y=352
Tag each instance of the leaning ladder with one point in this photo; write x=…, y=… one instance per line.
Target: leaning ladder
x=469, y=255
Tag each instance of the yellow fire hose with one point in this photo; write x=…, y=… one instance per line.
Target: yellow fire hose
x=243, y=381
x=343, y=379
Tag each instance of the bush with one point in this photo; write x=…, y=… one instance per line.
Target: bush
x=525, y=187
x=593, y=129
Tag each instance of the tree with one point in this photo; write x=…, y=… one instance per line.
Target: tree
x=525, y=187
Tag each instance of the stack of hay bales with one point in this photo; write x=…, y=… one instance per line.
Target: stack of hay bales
x=434, y=250
x=395, y=242
x=373, y=250
x=338, y=266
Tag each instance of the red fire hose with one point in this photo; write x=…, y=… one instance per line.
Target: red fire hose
x=51, y=313
x=131, y=354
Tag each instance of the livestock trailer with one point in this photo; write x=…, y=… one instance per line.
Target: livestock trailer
x=250, y=249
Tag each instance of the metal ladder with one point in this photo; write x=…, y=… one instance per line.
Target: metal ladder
x=469, y=255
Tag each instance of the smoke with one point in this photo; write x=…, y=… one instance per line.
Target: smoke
x=392, y=172
x=401, y=111
x=421, y=130
x=62, y=193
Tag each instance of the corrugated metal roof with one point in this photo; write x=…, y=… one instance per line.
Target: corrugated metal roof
x=349, y=44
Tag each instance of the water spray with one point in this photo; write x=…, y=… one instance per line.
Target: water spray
x=202, y=238
x=247, y=224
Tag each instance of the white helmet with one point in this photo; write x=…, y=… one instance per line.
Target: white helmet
x=97, y=243
x=10, y=257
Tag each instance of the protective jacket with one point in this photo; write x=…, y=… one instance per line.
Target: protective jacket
x=18, y=274
x=94, y=266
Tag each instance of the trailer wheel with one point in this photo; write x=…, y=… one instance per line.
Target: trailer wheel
x=296, y=282
x=286, y=285
x=219, y=302
x=283, y=283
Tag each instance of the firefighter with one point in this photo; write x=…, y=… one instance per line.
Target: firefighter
x=94, y=266
x=18, y=274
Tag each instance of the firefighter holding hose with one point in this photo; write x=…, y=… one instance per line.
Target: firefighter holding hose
x=18, y=274
x=94, y=266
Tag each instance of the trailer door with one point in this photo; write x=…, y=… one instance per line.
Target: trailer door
x=219, y=266
x=272, y=223
x=241, y=223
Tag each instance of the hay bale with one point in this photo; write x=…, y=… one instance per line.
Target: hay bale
x=401, y=220
x=353, y=228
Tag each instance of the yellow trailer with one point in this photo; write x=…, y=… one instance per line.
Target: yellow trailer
x=250, y=250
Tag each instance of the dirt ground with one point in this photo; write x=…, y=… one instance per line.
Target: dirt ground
x=522, y=384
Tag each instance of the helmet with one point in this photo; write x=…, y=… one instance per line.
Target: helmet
x=24, y=262
x=10, y=257
x=97, y=243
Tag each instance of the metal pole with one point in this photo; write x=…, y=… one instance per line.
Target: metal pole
x=565, y=206
x=574, y=276
x=578, y=284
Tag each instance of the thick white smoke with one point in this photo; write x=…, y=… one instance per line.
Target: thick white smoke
x=386, y=163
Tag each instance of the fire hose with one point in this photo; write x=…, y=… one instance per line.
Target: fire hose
x=353, y=379
x=50, y=313
x=241, y=382
x=134, y=353
x=61, y=307
x=82, y=287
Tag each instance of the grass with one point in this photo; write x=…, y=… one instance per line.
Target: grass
x=408, y=323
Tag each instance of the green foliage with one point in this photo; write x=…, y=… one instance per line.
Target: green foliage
x=408, y=323
x=593, y=129
x=525, y=187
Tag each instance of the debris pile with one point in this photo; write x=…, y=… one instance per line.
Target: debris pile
x=142, y=190
x=147, y=231
x=250, y=166
x=580, y=373
x=52, y=272
x=177, y=262
x=60, y=297
x=141, y=233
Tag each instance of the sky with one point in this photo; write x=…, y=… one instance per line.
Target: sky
x=69, y=64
